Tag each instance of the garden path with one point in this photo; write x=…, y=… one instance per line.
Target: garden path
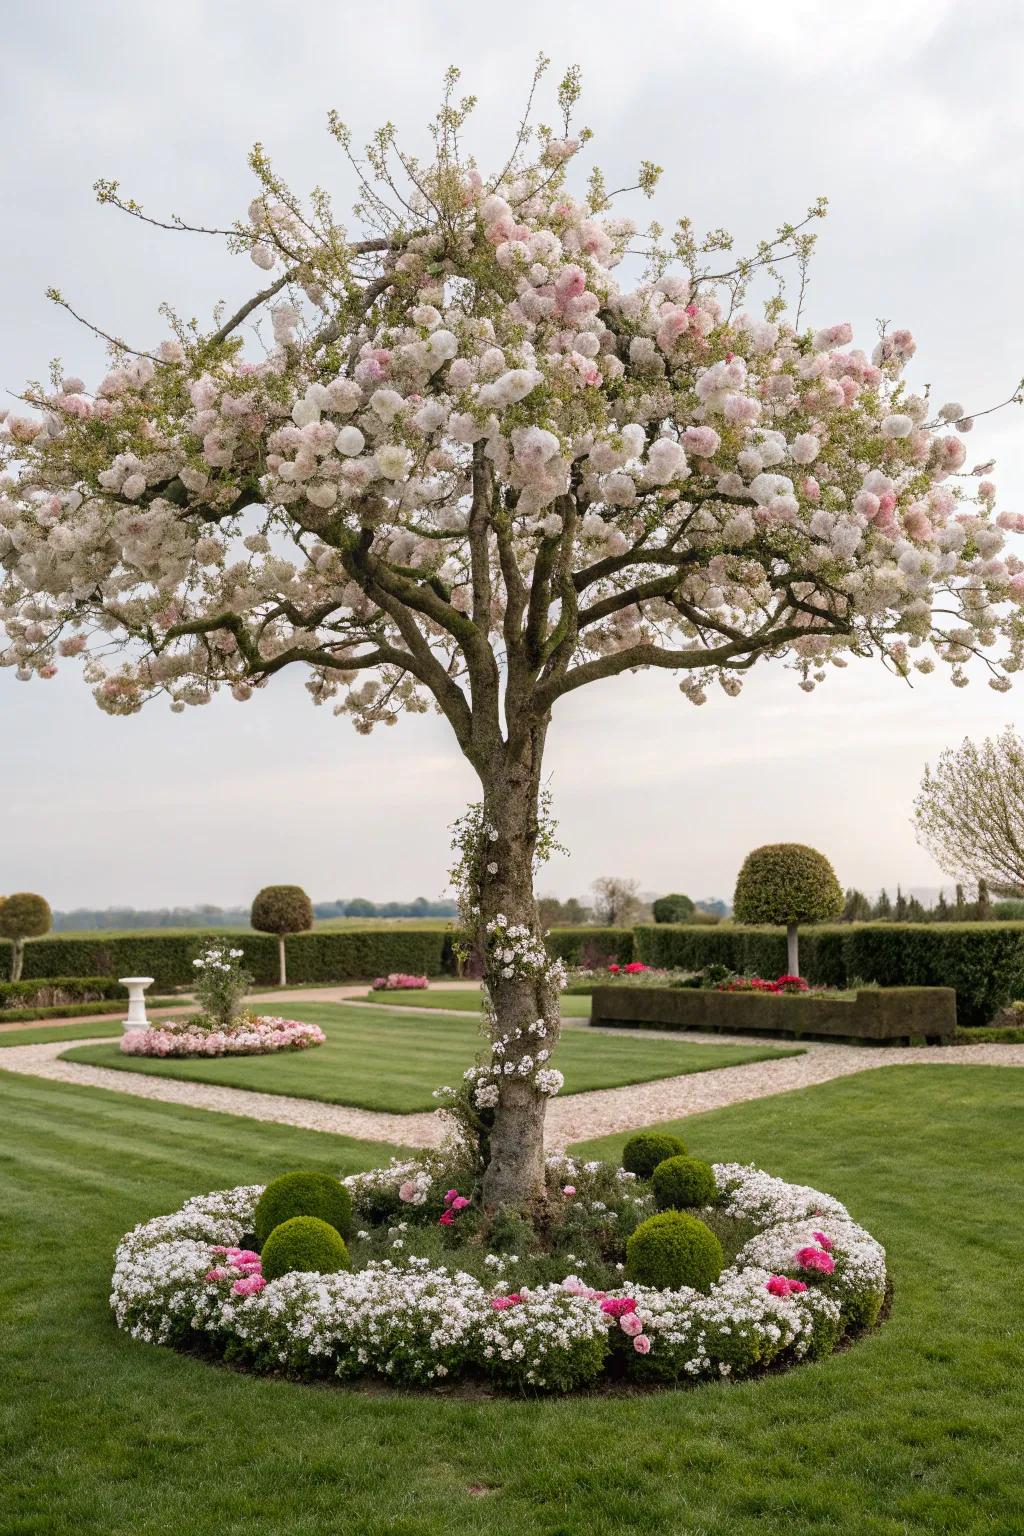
x=577, y=1117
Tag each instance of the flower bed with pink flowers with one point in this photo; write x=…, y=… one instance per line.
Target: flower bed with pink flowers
x=248, y=1035
x=399, y=981
x=433, y=1289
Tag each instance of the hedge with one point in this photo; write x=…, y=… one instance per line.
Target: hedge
x=321, y=956
x=52, y=991
x=876, y=1013
x=592, y=947
x=983, y=962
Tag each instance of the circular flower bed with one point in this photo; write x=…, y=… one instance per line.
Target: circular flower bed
x=248, y=1035
x=440, y=1291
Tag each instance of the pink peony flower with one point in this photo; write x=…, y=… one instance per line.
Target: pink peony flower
x=459, y=1203
x=249, y=1286
x=451, y=1196
x=502, y=1303
x=407, y=1192
x=782, y=1285
x=814, y=1259
x=631, y=1324
x=568, y=1190
x=642, y=1344
x=446, y=1219
x=618, y=1306
x=216, y=1274
x=823, y=1241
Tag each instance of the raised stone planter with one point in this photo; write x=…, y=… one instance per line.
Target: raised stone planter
x=877, y=1013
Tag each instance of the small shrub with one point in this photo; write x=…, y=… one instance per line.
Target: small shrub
x=681, y=1183
x=672, y=909
x=672, y=1250
x=303, y=1194
x=304, y=1243
x=643, y=1152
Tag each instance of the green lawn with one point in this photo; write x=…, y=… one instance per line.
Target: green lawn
x=393, y=1060
x=81, y=1029
x=462, y=1000
x=912, y=1432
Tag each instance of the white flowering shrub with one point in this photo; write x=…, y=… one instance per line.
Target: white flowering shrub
x=806, y=1276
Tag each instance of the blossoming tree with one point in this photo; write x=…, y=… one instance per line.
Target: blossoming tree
x=471, y=468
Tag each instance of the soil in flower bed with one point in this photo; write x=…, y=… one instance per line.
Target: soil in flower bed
x=393, y=1060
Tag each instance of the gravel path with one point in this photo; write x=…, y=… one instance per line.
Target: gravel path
x=577, y=1117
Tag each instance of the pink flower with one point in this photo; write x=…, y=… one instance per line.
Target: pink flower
x=568, y=1190
x=451, y=1196
x=618, y=1306
x=642, y=1344
x=459, y=1203
x=249, y=1286
x=823, y=1241
x=407, y=1191
x=216, y=1274
x=782, y=1285
x=631, y=1324
x=502, y=1303
x=446, y=1219
x=814, y=1259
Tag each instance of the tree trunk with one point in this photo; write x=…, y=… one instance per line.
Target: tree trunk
x=17, y=958
x=522, y=988
x=282, y=979
x=793, y=950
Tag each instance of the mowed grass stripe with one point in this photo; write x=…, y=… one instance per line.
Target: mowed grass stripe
x=393, y=1061
x=465, y=1000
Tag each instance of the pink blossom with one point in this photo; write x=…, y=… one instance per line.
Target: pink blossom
x=823, y=1241
x=568, y=1190
x=218, y=1273
x=642, y=1344
x=459, y=1203
x=631, y=1324
x=452, y=1195
x=815, y=1259
x=407, y=1192
x=249, y=1286
x=446, y=1219
x=618, y=1306
x=782, y=1285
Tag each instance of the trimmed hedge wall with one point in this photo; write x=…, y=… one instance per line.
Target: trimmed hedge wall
x=56, y=990
x=877, y=1013
x=320, y=956
x=983, y=962
x=577, y=946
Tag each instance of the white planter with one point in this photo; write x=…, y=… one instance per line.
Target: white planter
x=136, y=1000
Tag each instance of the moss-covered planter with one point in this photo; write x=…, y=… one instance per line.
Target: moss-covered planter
x=880, y=1013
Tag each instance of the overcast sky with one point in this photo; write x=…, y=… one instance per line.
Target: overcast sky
x=909, y=117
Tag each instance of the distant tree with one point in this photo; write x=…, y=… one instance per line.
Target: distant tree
x=616, y=901
x=23, y=916
x=714, y=906
x=941, y=909
x=360, y=907
x=856, y=907
x=984, y=903
x=787, y=883
x=882, y=910
x=675, y=908
x=561, y=914
x=282, y=909
x=969, y=813
x=900, y=909
x=960, y=905
x=915, y=912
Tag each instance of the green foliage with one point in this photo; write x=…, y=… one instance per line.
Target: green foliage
x=672, y=909
x=682, y=1183
x=671, y=1250
x=306, y=1244
x=786, y=883
x=303, y=1194
x=643, y=1152
x=282, y=909
x=24, y=916
x=52, y=991
x=591, y=947
x=983, y=962
x=321, y=956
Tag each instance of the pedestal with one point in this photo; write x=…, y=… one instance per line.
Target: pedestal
x=136, y=1000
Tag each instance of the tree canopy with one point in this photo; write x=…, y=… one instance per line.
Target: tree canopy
x=970, y=812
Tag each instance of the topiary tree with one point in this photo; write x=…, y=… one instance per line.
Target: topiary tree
x=303, y=1193
x=643, y=1152
x=673, y=909
x=23, y=916
x=674, y=1249
x=281, y=909
x=465, y=464
x=305, y=1244
x=681, y=1182
x=787, y=883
